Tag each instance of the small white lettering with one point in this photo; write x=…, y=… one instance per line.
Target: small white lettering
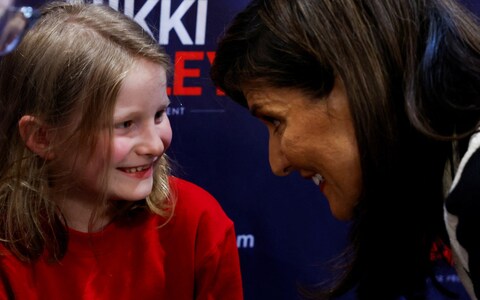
x=448, y=278
x=175, y=111
x=245, y=241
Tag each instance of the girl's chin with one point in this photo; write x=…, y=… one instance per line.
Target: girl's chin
x=131, y=197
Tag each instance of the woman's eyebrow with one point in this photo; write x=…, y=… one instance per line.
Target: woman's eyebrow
x=254, y=109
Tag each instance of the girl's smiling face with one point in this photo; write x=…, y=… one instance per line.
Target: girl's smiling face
x=141, y=132
x=315, y=137
x=140, y=136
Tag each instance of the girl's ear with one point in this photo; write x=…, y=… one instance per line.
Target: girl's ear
x=36, y=135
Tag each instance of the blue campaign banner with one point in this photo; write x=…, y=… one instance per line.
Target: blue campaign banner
x=285, y=232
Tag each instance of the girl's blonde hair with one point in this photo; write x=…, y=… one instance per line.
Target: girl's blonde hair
x=70, y=65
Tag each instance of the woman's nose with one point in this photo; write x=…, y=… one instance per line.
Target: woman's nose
x=278, y=161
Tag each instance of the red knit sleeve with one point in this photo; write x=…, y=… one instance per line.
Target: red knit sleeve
x=217, y=267
x=218, y=274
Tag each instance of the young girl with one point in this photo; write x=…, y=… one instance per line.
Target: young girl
x=88, y=209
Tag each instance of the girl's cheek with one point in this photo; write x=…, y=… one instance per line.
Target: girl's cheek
x=166, y=134
x=120, y=149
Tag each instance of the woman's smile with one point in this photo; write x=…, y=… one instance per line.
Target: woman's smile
x=314, y=136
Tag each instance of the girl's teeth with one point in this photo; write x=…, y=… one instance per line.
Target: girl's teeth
x=137, y=169
x=317, y=179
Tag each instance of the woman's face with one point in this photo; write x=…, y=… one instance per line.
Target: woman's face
x=315, y=137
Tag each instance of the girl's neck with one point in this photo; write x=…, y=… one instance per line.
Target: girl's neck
x=81, y=215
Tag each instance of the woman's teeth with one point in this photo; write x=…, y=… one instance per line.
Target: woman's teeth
x=318, y=179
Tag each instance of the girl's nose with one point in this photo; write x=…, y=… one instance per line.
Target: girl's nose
x=155, y=139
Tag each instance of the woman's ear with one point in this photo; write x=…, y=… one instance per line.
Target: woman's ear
x=36, y=135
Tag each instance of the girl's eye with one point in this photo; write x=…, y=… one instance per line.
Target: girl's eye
x=159, y=115
x=124, y=125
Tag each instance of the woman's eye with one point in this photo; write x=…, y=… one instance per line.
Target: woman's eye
x=124, y=125
x=271, y=121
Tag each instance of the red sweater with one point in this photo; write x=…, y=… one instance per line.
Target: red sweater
x=194, y=256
